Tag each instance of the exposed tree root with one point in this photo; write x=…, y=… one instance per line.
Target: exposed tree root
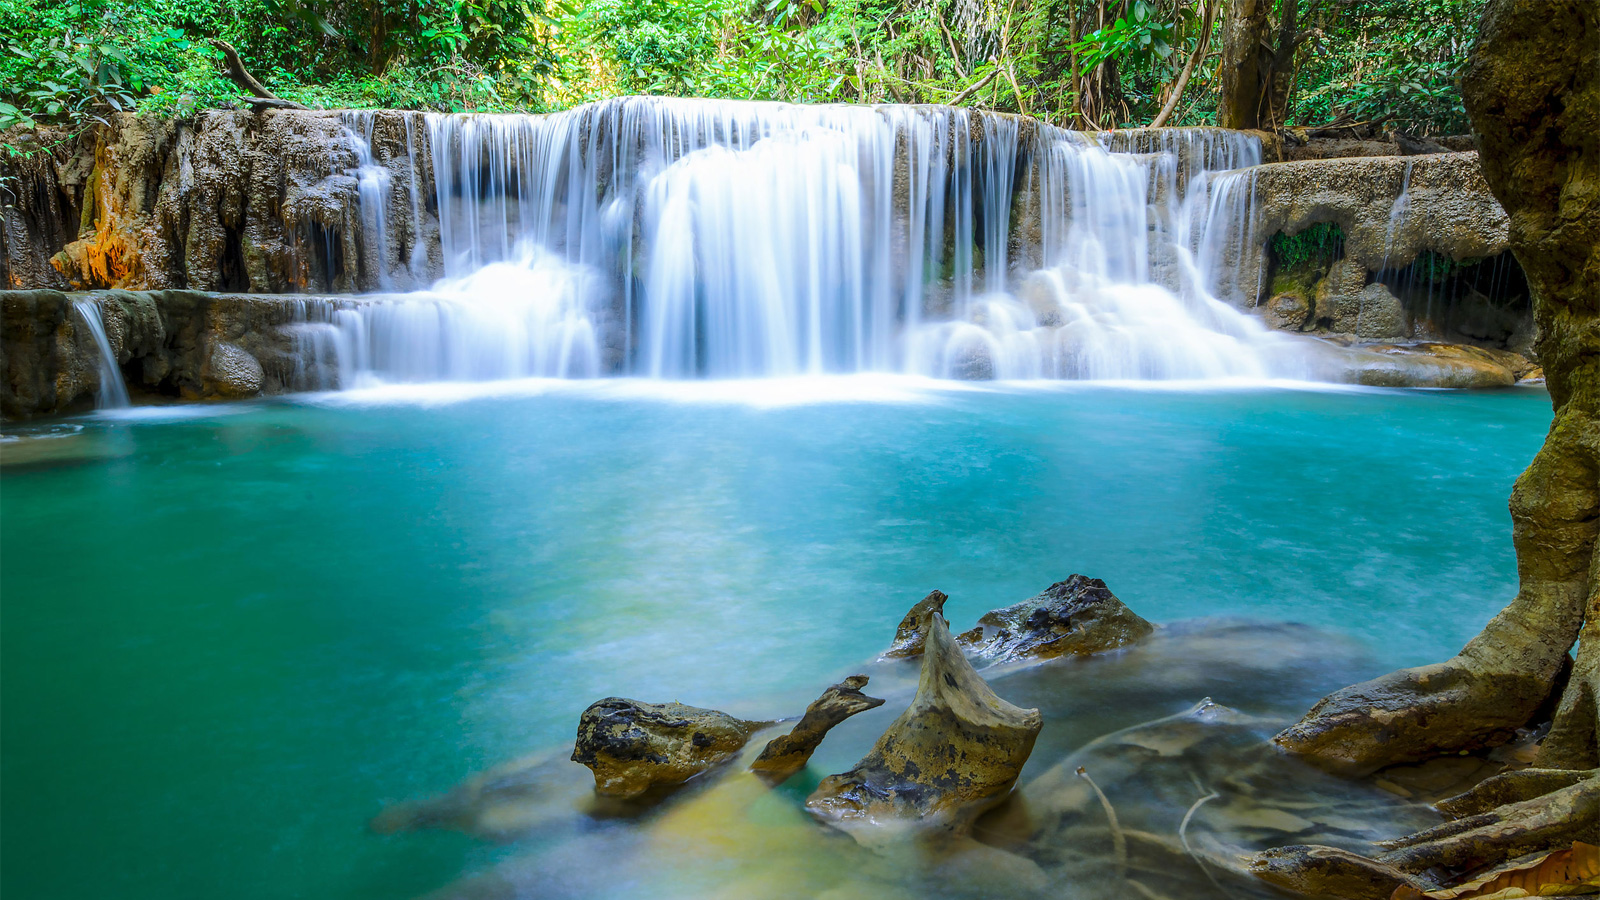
x=1512, y=787
x=1547, y=822
x=1329, y=872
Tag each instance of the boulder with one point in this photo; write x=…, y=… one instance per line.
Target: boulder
x=231, y=372
x=787, y=754
x=1078, y=616
x=1286, y=311
x=633, y=746
x=912, y=632
x=956, y=751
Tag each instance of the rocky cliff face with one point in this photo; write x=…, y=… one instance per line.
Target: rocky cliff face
x=233, y=219
x=1385, y=248
x=230, y=201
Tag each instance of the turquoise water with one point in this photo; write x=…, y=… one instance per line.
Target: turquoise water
x=231, y=634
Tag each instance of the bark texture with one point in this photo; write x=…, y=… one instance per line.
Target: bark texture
x=1533, y=91
x=1246, y=63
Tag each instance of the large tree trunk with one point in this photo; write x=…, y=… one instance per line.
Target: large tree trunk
x=1533, y=92
x=1246, y=63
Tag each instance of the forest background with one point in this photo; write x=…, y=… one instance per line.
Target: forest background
x=1363, y=65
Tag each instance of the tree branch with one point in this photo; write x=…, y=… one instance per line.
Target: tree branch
x=239, y=75
x=1188, y=68
x=975, y=86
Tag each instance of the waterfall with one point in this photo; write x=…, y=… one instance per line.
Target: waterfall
x=677, y=238
x=112, y=393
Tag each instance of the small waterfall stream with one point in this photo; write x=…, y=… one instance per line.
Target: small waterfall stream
x=675, y=238
x=112, y=393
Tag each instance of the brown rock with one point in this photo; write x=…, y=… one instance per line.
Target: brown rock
x=633, y=746
x=1286, y=311
x=956, y=751
x=231, y=373
x=1076, y=616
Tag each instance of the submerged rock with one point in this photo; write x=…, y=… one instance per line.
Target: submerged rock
x=633, y=746
x=1077, y=616
x=956, y=751
x=789, y=753
x=913, y=630
x=502, y=803
x=1432, y=364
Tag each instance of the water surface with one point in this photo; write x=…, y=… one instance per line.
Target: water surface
x=230, y=635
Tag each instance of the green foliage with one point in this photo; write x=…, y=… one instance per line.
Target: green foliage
x=1079, y=63
x=1394, y=61
x=1317, y=246
x=1140, y=39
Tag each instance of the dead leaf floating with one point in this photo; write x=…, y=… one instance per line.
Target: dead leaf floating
x=1559, y=873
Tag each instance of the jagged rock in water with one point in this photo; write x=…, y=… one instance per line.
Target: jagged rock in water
x=956, y=751
x=788, y=754
x=633, y=746
x=913, y=629
x=1077, y=616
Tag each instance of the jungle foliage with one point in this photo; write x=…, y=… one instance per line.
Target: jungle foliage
x=1079, y=63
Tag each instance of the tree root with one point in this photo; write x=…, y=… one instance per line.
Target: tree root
x=1543, y=823
x=1329, y=872
x=1511, y=787
x=1547, y=822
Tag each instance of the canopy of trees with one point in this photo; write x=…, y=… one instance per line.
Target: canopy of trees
x=1078, y=63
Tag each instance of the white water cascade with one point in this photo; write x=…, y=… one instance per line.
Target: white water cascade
x=112, y=393
x=693, y=238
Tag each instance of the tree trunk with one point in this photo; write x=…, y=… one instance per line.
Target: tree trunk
x=1244, y=68
x=1532, y=89
x=1280, y=80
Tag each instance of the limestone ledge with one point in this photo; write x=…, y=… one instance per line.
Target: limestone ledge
x=1448, y=207
x=187, y=345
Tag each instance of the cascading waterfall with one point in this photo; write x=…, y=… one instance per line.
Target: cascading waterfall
x=690, y=238
x=112, y=393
